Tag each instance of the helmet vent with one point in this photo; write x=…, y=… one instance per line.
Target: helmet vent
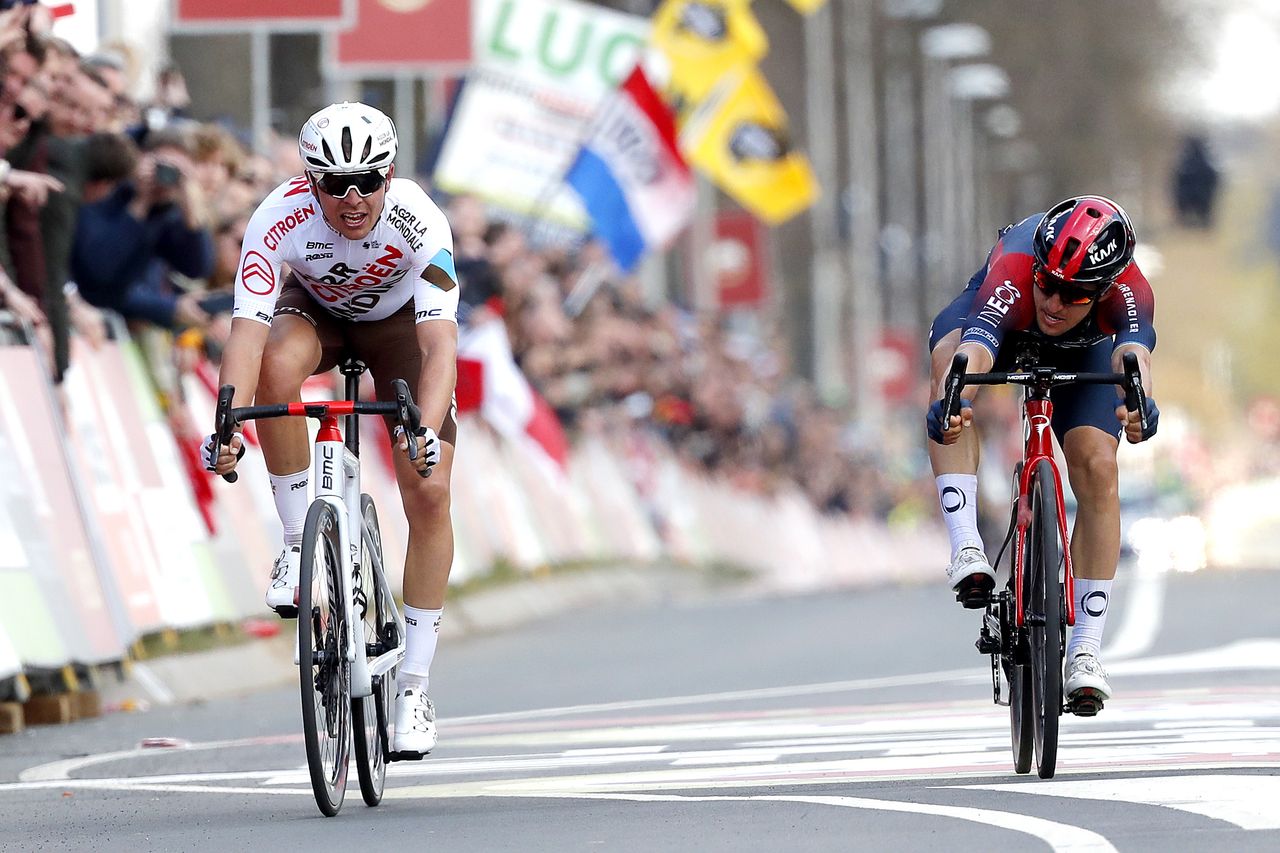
x=1070, y=250
x=1094, y=212
x=328, y=152
x=347, y=144
x=368, y=149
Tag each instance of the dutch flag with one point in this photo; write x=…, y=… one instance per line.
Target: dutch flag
x=630, y=175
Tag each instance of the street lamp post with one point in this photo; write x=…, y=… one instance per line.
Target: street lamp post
x=866, y=329
x=900, y=234
x=970, y=86
x=946, y=158
x=827, y=296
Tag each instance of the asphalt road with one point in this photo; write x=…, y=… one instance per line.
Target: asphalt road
x=851, y=720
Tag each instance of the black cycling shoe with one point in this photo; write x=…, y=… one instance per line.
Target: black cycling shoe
x=974, y=592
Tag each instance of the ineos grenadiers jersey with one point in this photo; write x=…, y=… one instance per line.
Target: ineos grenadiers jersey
x=1004, y=306
x=356, y=280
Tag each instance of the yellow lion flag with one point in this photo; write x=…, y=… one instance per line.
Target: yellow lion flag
x=704, y=40
x=738, y=137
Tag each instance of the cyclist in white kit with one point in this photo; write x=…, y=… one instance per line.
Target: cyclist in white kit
x=371, y=275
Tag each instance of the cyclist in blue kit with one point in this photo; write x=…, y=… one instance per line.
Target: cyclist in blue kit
x=1064, y=279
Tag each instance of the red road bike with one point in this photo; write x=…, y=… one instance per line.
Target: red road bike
x=1025, y=625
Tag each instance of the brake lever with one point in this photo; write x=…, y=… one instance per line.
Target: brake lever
x=408, y=415
x=954, y=384
x=224, y=425
x=1135, y=396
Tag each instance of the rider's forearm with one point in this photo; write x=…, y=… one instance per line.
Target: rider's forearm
x=980, y=361
x=436, y=384
x=1144, y=362
x=242, y=359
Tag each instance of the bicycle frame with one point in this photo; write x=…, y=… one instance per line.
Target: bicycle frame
x=1037, y=415
x=341, y=490
x=343, y=494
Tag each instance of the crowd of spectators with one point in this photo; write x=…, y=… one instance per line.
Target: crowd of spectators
x=108, y=204
x=111, y=206
x=719, y=390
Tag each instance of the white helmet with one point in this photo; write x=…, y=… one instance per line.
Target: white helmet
x=347, y=137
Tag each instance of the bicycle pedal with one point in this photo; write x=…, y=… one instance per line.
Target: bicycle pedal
x=1085, y=703
x=286, y=611
x=987, y=644
x=974, y=592
x=406, y=756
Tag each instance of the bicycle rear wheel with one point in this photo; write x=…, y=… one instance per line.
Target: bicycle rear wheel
x=1015, y=658
x=1018, y=672
x=323, y=671
x=371, y=714
x=1045, y=611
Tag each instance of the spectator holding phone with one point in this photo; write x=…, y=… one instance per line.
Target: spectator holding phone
x=145, y=219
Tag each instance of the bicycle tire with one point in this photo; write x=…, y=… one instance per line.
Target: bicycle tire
x=1014, y=657
x=324, y=674
x=1046, y=631
x=370, y=714
x=1021, y=707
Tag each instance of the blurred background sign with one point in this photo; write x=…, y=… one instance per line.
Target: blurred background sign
x=740, y=260
x=895, y=366
x=289, y=14
x=541, y=69
x=416, y=35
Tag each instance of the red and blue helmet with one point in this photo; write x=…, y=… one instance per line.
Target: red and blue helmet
x=1086, y=240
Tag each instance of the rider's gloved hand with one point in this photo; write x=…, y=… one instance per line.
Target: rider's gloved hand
x=222, y=459
x=1133, y=430
x=428, y=449
x=934, y=420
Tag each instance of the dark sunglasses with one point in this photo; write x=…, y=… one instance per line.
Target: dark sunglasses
x=338, y=184
x=1068, y=293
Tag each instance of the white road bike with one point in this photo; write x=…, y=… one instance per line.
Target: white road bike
x=350, y=631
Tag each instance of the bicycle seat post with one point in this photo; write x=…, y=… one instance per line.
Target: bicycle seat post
x=351, y=368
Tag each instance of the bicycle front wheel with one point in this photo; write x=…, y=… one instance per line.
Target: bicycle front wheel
x=323, y=670
x=371, y=714
x=1046, y=628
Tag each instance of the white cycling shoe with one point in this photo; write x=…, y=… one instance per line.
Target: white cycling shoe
x=282, y=592
x=1086, y=686
x=415, y=724
x=971, y=577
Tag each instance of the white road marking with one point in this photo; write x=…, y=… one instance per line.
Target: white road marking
x=1259, y=654
x=1143, y=609
x=1061, y=837
x=920, y=724
x=62, y=770
x=1247, y=801
x=160, y=694
x=957, y=675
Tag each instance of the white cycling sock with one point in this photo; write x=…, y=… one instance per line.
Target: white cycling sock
x=1092, y=600
x=290, y=493
x=958, y=498
x=423, y=630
